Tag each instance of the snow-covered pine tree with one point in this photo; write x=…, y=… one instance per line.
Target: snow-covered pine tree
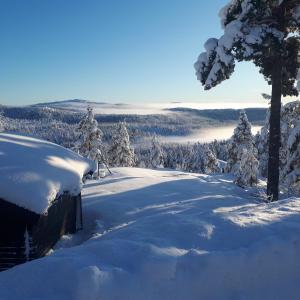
x=292, y=169
x=290, y=154
x=2, y=127
x=247, y=173
x=290, y=115
x=210, y=163
x=183, y=154
x=156, y=153
x=120, y=153
x=142, y=156
x=89, y=143
x=195, y=161
x=242, y=138
x=202, y=160
x=262, y=147
x=169, y=156
x=267, y=33
x=220, y=149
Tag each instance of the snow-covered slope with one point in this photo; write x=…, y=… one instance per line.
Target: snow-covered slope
x=169, y=235
x=33, y=172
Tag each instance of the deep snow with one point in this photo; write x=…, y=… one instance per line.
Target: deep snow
x=34, y=172
x=158, y=234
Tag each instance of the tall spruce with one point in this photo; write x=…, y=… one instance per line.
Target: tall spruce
x=2, y=125
x=210, y=162
x=290, y=116
x=292, y=168
x=289, y=152
x=120, y=153
x=267, y=33
x=156, y=153
x=247, y=174
x=241, y=138
x=89, y=142
x=262, y=146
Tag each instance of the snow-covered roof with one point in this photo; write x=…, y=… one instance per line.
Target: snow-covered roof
x=34, y=172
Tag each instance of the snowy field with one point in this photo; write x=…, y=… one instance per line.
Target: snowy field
x=169, y=235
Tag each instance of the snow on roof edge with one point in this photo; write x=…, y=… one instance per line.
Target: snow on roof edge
x=33, y=172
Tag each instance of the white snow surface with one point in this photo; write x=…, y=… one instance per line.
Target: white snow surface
x=159, y=234
x=34, y=172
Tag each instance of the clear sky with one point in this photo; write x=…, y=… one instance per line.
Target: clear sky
x=112, y=50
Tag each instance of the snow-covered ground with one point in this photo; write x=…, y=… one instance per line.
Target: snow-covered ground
x=159, y=234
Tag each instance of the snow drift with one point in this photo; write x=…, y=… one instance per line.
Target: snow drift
x=169, y=235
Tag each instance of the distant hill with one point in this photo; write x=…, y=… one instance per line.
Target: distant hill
x=56, y=121
x=72, y=104
x=256, y=115
x=70, y=111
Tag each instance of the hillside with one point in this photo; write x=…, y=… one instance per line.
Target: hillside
x=70, y=110
x=175, y=122
x=159, y=234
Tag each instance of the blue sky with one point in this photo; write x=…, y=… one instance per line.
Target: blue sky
x=112, y=50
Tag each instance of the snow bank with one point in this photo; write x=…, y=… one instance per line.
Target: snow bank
x=34, y=172
x=153, y=234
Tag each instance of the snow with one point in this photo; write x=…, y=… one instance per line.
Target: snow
x=34, y=172
x=159, y=234
x=211, y=44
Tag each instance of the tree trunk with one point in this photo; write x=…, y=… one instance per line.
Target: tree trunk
x=274, y=137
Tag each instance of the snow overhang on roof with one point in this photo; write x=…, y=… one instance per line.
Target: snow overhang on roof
x=34, y=172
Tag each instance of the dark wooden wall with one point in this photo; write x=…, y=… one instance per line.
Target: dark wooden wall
x=14, y=221
x=44, y=230
x=61, y=219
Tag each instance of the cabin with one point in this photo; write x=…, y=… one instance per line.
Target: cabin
x=40, y=196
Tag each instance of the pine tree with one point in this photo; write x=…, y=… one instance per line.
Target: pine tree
x=210, y=163
x=290, y=154
x=292, y=168
x=262, y=147
x=202, y=160
x=242, y=138
x=220, y=149
x=290, y=115
x=89, y=143
x=195, y=161
x=267, y=33
x=121, y=153
x=156, y=153
x=247, y=173
x=170, y=159
x=2, y=125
